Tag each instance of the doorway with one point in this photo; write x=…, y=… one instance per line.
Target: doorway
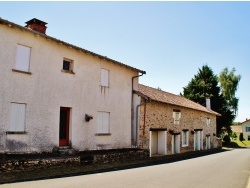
x=176, y=143
x=198, y=140
x=208, y=141
x=158, y=143
x=64, y=126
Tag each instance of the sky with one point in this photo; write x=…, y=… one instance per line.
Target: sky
x=168, y=40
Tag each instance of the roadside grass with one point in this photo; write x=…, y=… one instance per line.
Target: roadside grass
x=237, y=144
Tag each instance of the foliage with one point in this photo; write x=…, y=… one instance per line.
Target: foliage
x=229, y=84
x=226, y=139
x=234, y=135
x=241, y=137
x=203, y=85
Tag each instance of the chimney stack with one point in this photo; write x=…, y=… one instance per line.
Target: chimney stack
x=208, y=104
x=36, y=25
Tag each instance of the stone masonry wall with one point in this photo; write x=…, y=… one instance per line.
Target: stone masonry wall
x=160, y=115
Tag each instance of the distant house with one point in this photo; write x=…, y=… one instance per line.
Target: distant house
x=169, y=124
x=55, y=94
x=237, y=129
x=246, y=129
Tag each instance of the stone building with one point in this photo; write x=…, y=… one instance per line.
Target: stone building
x=169, y=124
x=55, y=94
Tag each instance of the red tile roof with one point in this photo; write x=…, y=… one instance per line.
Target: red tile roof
x=169, y=98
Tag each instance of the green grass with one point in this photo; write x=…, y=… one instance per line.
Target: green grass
x=237, y=144
x=243, y=143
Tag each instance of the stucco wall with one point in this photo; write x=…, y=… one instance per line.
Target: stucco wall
x=159, y=115
x=47, y=89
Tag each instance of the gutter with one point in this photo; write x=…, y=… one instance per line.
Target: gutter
x=132, y=106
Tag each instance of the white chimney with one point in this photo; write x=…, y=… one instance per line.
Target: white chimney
x=208, y=104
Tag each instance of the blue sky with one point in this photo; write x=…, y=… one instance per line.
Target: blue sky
x=169, y=40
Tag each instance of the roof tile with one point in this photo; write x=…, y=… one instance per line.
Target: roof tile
x=169, y=98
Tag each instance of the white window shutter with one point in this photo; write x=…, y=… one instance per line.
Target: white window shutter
x=23, y=58
x=99, y=122
x=104, y=77
x=105, y=122
x=17, y=122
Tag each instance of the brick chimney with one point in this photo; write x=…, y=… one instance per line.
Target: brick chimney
x=36, y=25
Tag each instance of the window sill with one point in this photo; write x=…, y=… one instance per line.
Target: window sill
x=184, y=146
x=16, y=132
x=67, y=71
x=24, y=72
x=103, y=134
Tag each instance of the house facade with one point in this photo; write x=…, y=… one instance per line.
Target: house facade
x=169, y=124
x=54, y=94
x=246, y=129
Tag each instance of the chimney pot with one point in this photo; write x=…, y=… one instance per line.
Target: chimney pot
x=36, y=25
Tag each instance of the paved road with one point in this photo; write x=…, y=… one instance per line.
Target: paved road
x=230, y=169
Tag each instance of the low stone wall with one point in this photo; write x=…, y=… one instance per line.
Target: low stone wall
x=82, y=158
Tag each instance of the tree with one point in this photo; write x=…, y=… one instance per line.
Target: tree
x=205, y=84
x=229, y=84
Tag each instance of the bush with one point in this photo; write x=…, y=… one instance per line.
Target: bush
x=241, y=137
x=226, y=139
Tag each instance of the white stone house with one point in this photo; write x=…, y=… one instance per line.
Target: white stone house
x=246, y=129
x=57, y=94
x=170, y=124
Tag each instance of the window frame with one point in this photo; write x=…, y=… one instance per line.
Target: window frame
x=185, y=139
x=208, y=121
x=176, y=116
x=247, y=129
x=16, y=116
x=22, y=59
x=71, y=66
x=105, y=77
x=101, y=123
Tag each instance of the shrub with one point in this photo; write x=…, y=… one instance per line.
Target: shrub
x=241, y=137
x=226, y=139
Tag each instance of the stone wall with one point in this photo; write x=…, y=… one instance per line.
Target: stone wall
x=160, y=115
x=88, y=157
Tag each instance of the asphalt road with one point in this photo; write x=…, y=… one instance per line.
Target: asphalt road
x=230, y=169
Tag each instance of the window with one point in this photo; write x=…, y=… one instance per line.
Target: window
x=248, y=137
x=208, y=122
x=104, y=77
x=185, y=138
x=22, y=58
x=176, y=116
x=103, y=123
x=17, y=121
x=67, y=65
x=247, y=129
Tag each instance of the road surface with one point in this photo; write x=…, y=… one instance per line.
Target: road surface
x=230, y=169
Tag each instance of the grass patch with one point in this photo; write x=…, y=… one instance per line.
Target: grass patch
x=237, y=144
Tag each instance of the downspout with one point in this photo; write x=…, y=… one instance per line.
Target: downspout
x=132, y=106
x=137, y=120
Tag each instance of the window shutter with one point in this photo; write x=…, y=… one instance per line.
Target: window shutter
x=23, y=58
x=17, y=122
x=104, y=77
x=105, y=124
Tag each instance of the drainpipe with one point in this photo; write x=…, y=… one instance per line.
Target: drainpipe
x=132, y=106
x=137, y=119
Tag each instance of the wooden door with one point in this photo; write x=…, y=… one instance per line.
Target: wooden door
x=64, y=126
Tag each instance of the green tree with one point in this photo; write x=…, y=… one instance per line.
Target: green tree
x=205, y=84
x=229, y=84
